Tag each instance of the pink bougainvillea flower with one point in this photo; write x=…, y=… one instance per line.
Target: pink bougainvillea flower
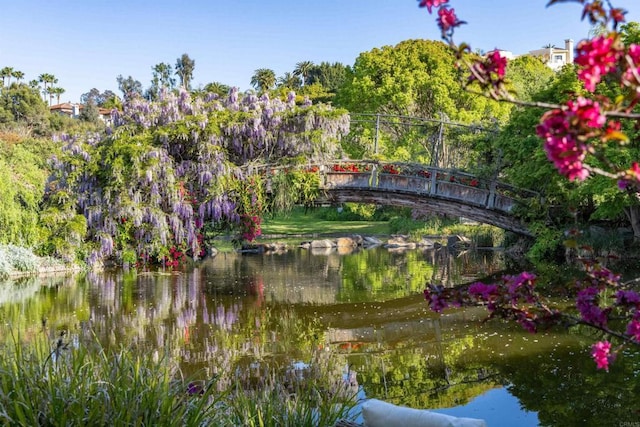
x=601, y=352
x=447, y=19
x=429, y=4
x=596, y=57
x=563, y=131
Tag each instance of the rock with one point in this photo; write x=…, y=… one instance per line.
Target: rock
x=371, y=241
x=275, y=247
x=324, y=243
x=346, y=242
x=426, y=243
x=400, y=242
x=357, y=239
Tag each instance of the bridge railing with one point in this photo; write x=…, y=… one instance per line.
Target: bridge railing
x=420, y=179
x=412, y=178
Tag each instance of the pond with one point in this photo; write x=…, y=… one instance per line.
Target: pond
x=363, y=309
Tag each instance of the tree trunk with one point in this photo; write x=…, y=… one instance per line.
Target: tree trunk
x=633, y=215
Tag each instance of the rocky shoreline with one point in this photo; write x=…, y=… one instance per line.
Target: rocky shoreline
x=347, y=244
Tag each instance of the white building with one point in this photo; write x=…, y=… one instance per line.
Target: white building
x=555, y=57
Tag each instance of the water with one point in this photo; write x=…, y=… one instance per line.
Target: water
x=364, y=310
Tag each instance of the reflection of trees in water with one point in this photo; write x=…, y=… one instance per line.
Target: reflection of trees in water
x=455, y=267
x=565, y=389
x=237, y=313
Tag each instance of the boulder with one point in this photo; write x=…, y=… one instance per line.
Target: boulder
x=324, y=243
x=400, y=241
x=371, y=241
x=346, y=242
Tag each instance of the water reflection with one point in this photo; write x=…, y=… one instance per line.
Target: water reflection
x=364, y=311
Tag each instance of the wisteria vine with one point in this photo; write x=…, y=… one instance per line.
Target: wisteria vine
x=165, y=170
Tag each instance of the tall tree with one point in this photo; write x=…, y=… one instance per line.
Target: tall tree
x=47, y=79
x=99, y=98
x=57, y=91
x=218, y=88
x=51, y=94
x=303, y=69
x=129, y=86
x=184, y=70
x=6, y=73
x=263, y=79
x=330, y=76
x=19, y=75
x=162, y=79
x=289, y=81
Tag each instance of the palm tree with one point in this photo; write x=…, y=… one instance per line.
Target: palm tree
x=50, y=91
x=57, y=91
x=19, y=75
x=550, y=46
x=184, y=70
x=218, y=88
x=6, y=72
x=263, y=79
x=303, y=69
x=289, y=81
x=45, y=79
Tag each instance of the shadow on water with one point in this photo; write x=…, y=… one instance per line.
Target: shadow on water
x=364, y=310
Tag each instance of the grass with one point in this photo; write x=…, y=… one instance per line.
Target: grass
x=312, y=223
x=77, y=383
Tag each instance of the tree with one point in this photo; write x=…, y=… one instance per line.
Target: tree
x=414, y=78
x=90, y=113
x=303, y=69
x=528, y=75
x=57, y=91
x=21, y=103
x=51, y=94
x=184, y=70
x=162, y=80
x=19, y=75
x=331, y=76
x=99, y=98
x=47, y=79
x=217, y=88
x=263, y=79
x=129, y=86
x=6, y=73
x=289, y=81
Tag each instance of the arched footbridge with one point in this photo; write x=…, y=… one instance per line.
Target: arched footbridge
x=427, y=189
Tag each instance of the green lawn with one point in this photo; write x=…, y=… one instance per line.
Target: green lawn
x=297, y=223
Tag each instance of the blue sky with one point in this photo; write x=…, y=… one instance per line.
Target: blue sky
x=88, y=43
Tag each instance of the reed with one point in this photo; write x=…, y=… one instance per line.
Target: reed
x=69, y=383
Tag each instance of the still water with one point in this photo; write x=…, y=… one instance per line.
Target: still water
x=364, y=310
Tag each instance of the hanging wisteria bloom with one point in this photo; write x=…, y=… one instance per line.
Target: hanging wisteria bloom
x=171, y=169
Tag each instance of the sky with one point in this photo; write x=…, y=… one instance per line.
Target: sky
x=87, y=43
